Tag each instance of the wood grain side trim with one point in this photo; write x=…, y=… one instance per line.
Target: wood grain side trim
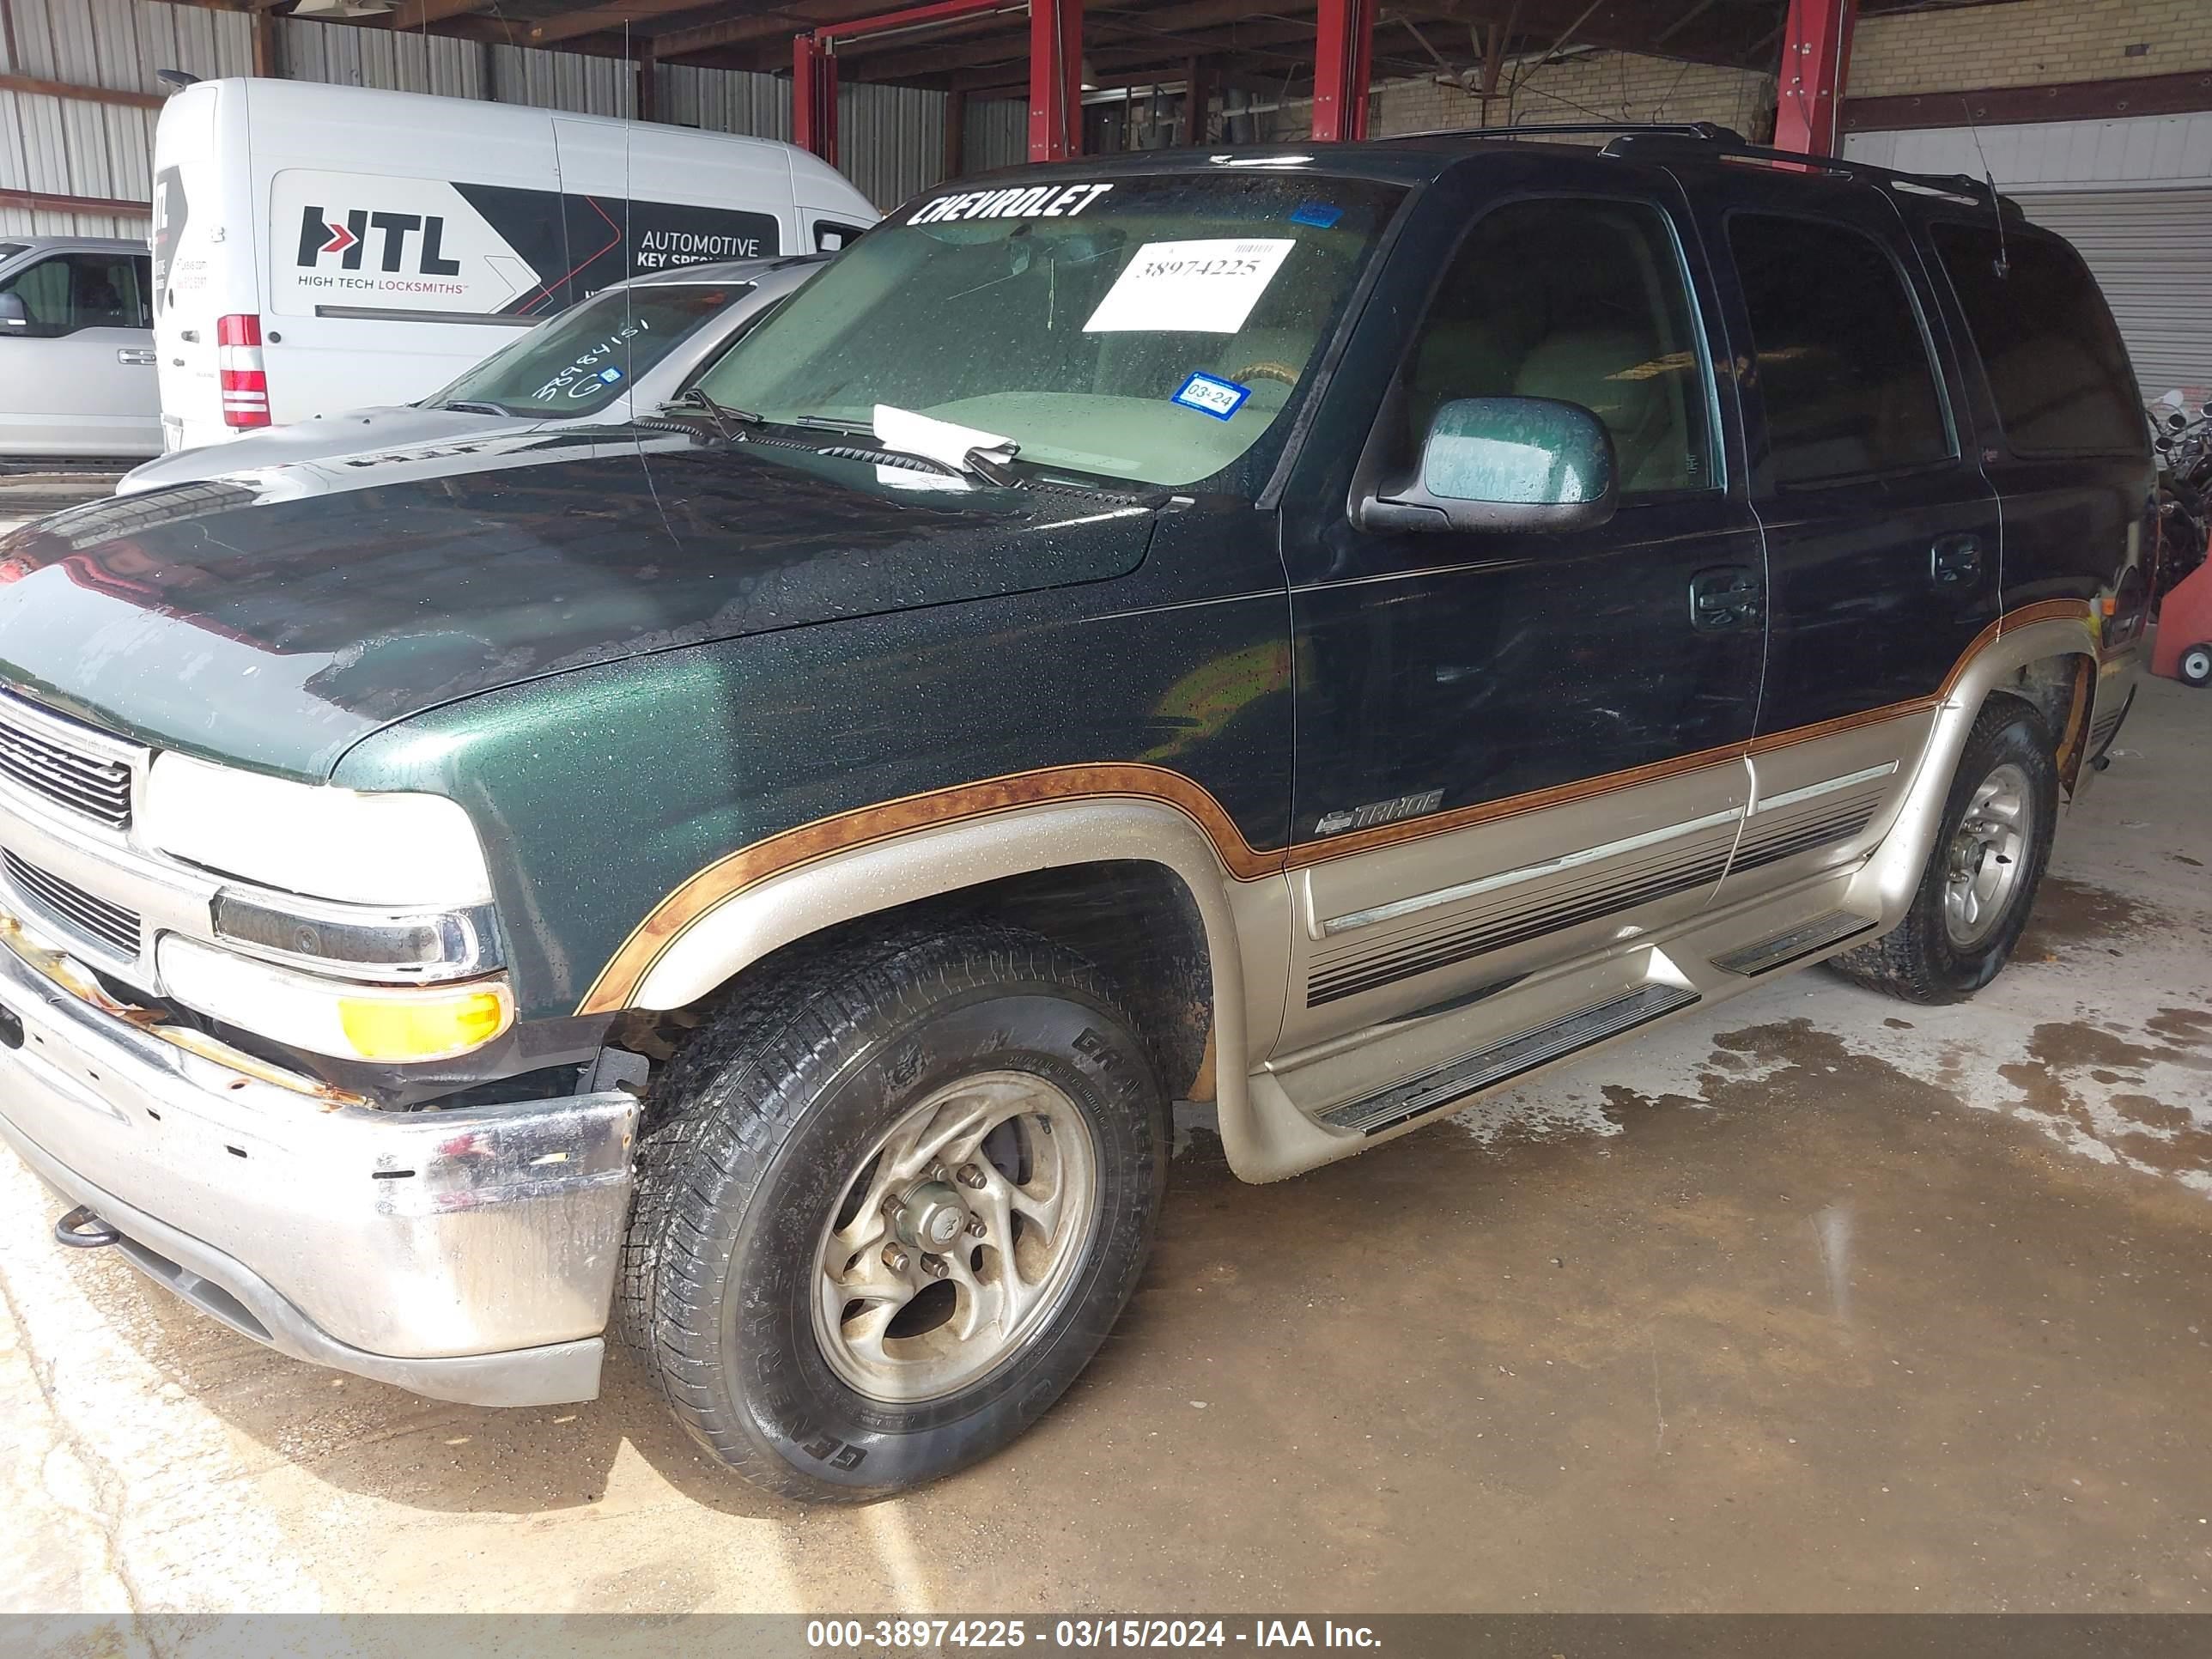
x=733, y=873
x=749, y=865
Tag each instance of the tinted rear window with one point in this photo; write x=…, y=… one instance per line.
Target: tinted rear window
x=1843, y=366
x=2057, y=369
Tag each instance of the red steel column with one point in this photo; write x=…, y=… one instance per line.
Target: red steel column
x=1344, y=59
x=1816, y=56
x=814, y=97
x=1055, y=79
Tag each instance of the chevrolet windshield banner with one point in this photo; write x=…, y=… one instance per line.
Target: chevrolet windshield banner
x=360, y=240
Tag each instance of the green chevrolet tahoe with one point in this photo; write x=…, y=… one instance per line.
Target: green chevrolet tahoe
x=1323, y=632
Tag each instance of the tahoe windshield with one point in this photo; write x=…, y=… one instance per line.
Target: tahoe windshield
x=1145, y=328
x=581, y=361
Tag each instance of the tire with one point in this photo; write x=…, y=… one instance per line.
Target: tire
x=2195, y=667
x=1936, y=955
x=765, y=1160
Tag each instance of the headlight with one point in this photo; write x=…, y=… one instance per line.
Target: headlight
x=334, y=886
x=382, y=849
x=354, y=940
x=378, y=1023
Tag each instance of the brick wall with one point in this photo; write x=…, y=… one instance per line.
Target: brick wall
x=2026, y=44
x=2029, y=43
x=1604, y=86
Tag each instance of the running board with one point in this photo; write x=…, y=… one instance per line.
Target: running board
x=1764, y=956
x=1469, y=1074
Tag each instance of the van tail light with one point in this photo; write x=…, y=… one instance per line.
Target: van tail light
x=238, y=364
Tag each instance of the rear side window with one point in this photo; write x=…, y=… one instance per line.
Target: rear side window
x=2057, y=369
x=1841, y=360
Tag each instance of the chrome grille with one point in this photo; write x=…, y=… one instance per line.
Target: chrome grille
x=83, y=782
x=80, y=912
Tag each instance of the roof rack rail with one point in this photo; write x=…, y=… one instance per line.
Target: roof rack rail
x=1704, y=131
x=1732, y=147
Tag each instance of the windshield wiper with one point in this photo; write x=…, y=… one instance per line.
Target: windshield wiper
x=727, y=420
x=467, y=406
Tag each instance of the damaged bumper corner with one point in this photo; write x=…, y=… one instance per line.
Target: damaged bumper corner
x=468, y=1254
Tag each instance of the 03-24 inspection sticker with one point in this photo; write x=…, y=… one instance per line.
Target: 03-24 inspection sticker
x=1200, y=288
x=1209, y=394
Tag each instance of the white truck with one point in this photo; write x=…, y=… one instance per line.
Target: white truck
x=319, y=248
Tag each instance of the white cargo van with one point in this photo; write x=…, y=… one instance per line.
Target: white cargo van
x=317, y=248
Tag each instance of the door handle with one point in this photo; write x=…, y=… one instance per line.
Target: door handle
x=1955, y=560
x=137, y=357
x=1725, y=597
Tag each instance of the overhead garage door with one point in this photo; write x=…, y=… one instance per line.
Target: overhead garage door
x=2151, y=253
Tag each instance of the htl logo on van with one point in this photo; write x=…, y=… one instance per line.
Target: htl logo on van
x=348, y=237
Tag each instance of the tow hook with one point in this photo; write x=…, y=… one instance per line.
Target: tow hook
x=81, y=1230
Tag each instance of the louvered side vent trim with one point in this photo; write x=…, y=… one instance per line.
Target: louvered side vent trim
x=1471, y=1073
x=98, y=787
x=79, y=912
x=1514, y=919
x=1800, y=832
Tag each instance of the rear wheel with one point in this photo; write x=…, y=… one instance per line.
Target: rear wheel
x=891, y=1208
x=1979, y=884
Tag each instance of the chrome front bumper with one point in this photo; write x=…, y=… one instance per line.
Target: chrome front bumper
x=466, y=1255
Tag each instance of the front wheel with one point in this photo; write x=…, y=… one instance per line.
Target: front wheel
x=1979, y=884
x=890, y=1206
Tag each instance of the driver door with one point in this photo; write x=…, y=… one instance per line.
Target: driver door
x=1516, y=747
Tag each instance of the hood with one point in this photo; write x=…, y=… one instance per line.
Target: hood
x=275, y=618
x=349, y=434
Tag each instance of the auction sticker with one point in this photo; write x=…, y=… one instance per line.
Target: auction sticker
x=1199, y=288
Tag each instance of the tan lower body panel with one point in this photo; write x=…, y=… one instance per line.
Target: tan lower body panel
x=1420, y=922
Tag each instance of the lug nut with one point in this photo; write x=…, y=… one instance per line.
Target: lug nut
x=896, y=1259
x=976, y=1229
x=933, y=1266
x=971, y=1175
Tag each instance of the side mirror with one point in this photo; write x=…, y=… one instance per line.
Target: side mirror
x=1504, y=464
x=14, y=313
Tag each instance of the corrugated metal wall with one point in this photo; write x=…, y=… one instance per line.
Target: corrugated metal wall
x=564, y=80
x=64, y=147
x=725, y=100
x=380, y=58
x=891, y=138
x=996, y=134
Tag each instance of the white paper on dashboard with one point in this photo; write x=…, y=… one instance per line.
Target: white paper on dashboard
x=1202, y=288
x=945, y=441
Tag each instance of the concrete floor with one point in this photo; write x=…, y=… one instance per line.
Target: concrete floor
x=1823, y=1302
